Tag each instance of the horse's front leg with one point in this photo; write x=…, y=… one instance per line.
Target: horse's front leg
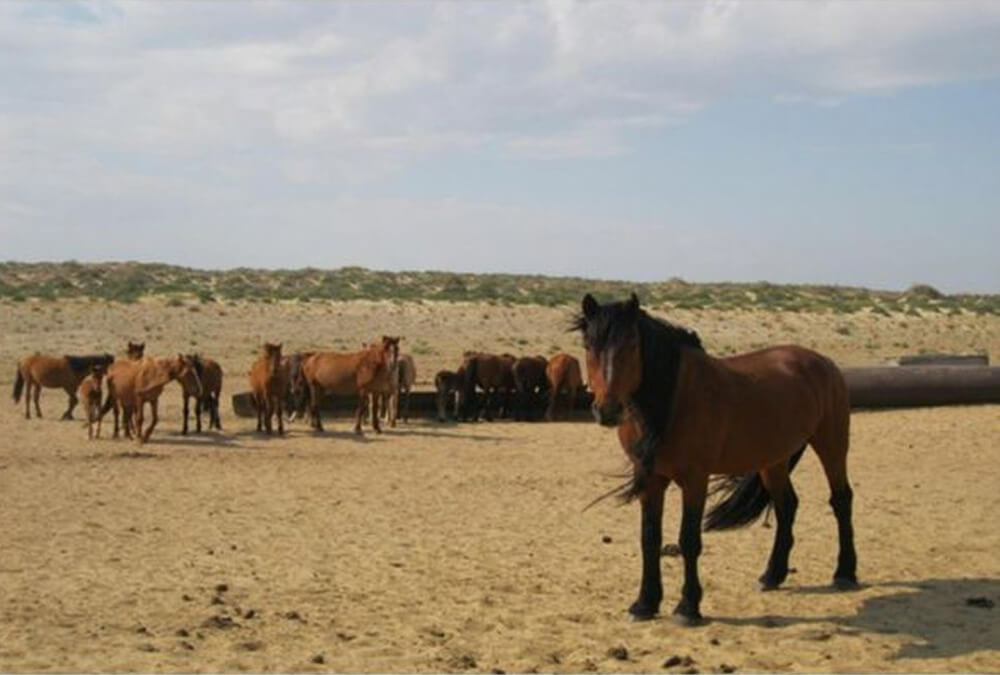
x=360, y=413
x=154, y=406
x=647, y=605
x=38, y=392
x=138, y=416
x=197, y=415
x=687, y=612
x=184, y=427
x=376, y=424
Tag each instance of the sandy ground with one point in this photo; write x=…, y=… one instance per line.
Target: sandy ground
x=464, y=548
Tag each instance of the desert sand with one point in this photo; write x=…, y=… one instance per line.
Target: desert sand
x=466, y=547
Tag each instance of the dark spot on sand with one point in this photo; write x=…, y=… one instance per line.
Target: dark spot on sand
x=677, y=660
x=221, y=588
x=250, y=613
x=606, y=539
x=981, y=602
x=182, y=632
x=714, y=641
x=346, y=637
x=220, y=621
x=146, y=647
x=251, y=646
x=619, y=652
x=187, y=645
x=462, y=661
x=319, y=658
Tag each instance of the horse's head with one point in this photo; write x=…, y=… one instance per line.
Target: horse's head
x=98, y=371
x=390, y=350
x=135, y=350
x=614, y=358
x=185, y=369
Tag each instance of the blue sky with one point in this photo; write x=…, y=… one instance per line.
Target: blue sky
x=823, y=142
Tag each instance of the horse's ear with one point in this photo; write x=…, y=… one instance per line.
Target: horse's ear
x=632, y=306
x=590, y=306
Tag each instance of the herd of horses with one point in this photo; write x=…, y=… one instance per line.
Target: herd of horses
x=736, y=426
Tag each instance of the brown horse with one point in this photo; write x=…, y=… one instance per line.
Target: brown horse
x=57, y=372
x=148, y=378
x=563, y=374
x=494, y=375
x=210, y=374
x=89, y=392
x=358, y=373
x=683, y=415
x=122, y=370
x=268, y=384
x=447, y=384
x=530, y=383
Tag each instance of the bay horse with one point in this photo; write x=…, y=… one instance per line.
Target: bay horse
x=122, y=369
x=56, y=372
x=268, y=384
x=89, y=392
x=494, y=375
x=447, y=384
x=210, y=376
x=682, y=415
x=563, y=374
x=529, y=383
x=357, y=373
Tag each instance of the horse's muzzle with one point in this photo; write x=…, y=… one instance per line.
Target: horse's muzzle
x=608, y=416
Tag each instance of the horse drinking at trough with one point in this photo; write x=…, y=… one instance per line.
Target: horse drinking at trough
x=268, y=386
x=683, y=415
x=447, y=384
x=55, y=372
x=491, y=373
x=358, y=373
x=529, y=384
x=210, y=375
x=563, y=374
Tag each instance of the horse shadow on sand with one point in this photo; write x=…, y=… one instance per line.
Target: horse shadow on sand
x=946, y=617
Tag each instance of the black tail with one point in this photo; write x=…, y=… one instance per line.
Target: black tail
x=18, y=386
x=745, y=499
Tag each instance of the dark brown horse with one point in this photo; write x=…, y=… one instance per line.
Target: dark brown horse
x=447, y=384
x=210, y=374
x=683, y=415
x=297, y=392
x=491, y=373
x=268, y=384
x=56, y=372
x=563, y=374
x=530, y=383
x=359, y=374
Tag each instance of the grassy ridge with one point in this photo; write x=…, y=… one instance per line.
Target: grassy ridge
x=129, y=282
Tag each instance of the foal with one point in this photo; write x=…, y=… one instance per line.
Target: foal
x=89, y=393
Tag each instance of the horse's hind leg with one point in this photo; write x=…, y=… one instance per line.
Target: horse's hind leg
x=779, y=486
x=37, y=393
x=68, y=415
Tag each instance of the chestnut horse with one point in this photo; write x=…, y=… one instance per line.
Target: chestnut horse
x=210, y=374
x=62, y=372
x=682, y=415
x=122, y=369
x=400, y=384
x=529, y=383
x=358, y=373
x=147, y=379
x=268, y=384
x=563, y=374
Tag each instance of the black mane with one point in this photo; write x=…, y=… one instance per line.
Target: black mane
x=660, y=345
x=82, y=364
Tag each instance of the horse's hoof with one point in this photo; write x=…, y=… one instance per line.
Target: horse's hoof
x=687, y=620
x=642, y=612
x=846, y=583
x=764, y=584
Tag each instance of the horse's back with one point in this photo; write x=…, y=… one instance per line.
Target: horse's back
x=334, y=372
x=563, y=370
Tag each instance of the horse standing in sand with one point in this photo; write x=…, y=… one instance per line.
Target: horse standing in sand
x=89, y=392
x=210, y=376
x=491, y=373
x=346, y=374
x=268, y=384
x=144, y=382
x=400, y=384
x=122, y=370
x=56, y=372
x=563, y=374
x=683, y=415
x=297, y=391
